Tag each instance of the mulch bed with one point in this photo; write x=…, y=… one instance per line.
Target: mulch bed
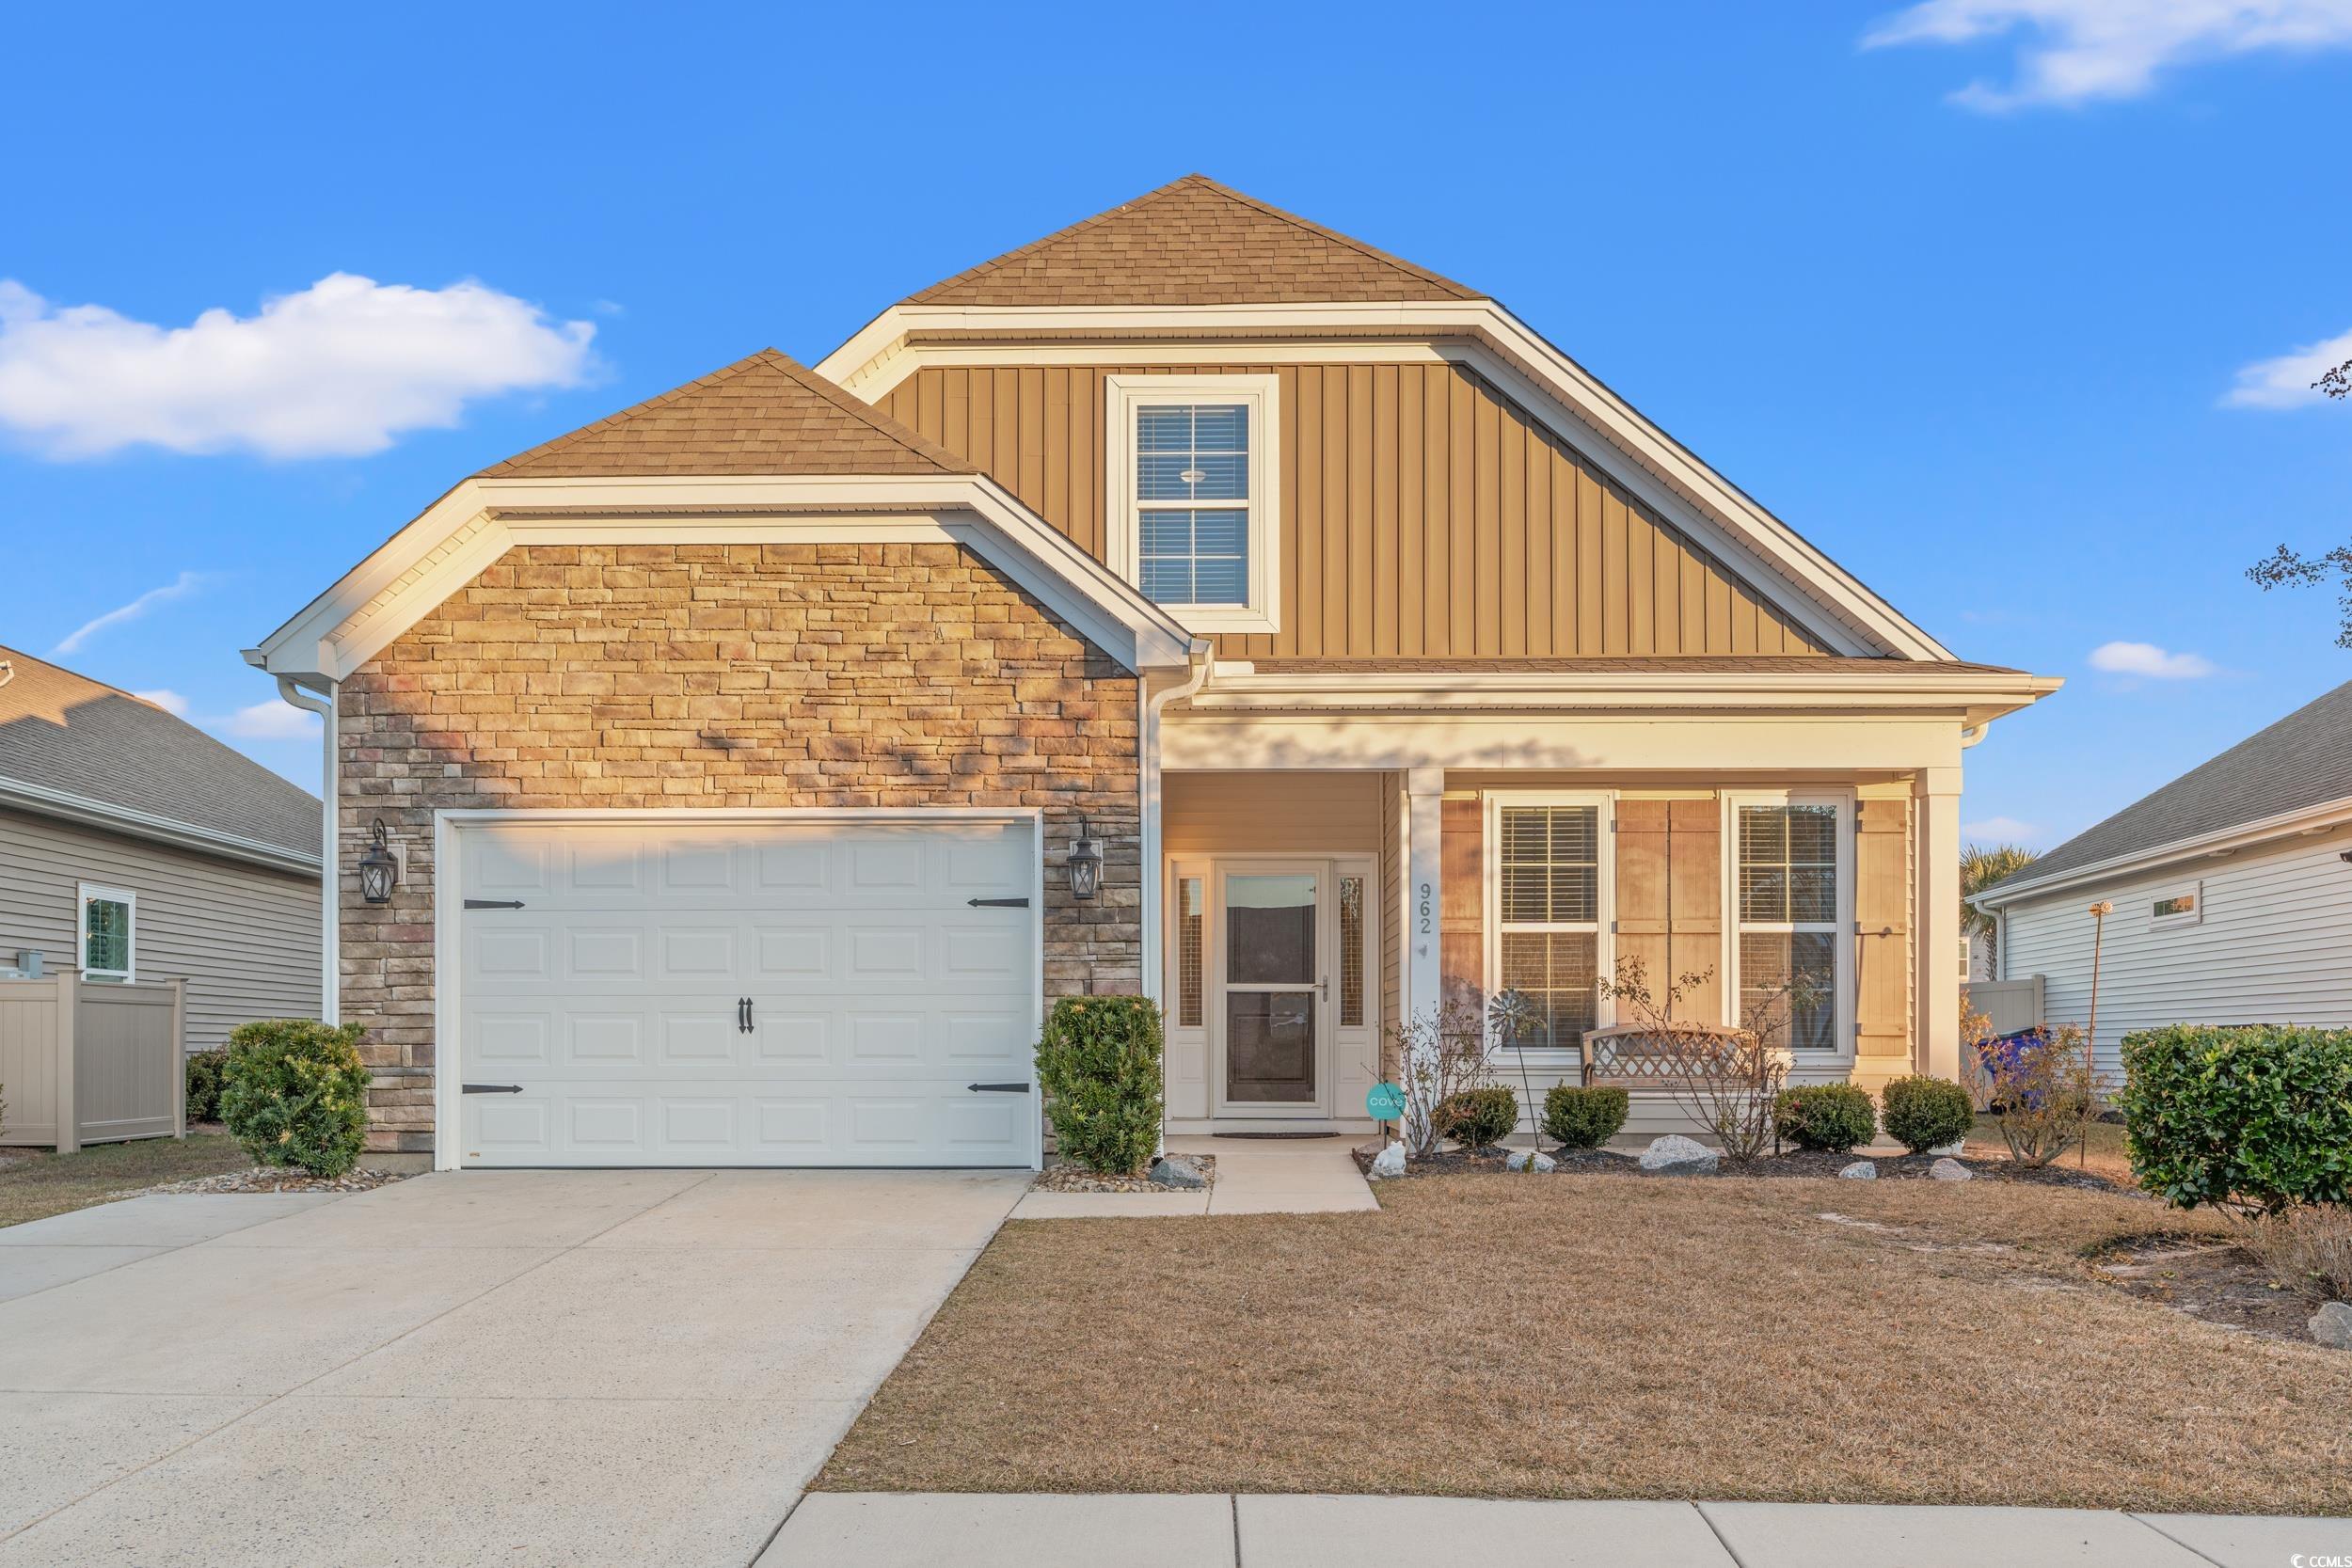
x=1075, y=1178
x=260, y=1180
x=2208, y=1279
x=1790, y=1163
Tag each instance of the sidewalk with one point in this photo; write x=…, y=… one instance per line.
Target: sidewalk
x=883, y=1530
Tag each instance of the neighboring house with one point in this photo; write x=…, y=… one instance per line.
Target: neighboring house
x=742, y=746
x=136, y=846
x=2231, y=890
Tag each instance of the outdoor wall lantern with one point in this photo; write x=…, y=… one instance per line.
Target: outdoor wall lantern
x=1085, y=864
x=378, y=871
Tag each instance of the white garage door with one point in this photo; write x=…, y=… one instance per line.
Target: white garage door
x=811, y=993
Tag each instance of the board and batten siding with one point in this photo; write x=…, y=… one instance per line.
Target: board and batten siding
x=1302, y=813
x=245, y=938
x=2272, y=945
x=1423, y=516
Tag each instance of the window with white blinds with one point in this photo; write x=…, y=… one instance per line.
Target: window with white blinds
x=1789, y=873
x=1193, y=519
x=1548, y=871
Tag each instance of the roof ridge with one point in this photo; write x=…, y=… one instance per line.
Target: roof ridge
x=769, y=358
x=9, y=654
x=1198, y=181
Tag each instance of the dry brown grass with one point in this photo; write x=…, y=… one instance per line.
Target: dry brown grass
x=1608, y=1336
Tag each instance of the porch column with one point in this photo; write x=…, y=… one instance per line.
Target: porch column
x=1935, y=797
x=1424, y=802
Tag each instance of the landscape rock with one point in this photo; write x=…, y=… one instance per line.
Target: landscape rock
x=1178, y=1170
x=1861, y=1170
x=1951, y=1149
x=1389, y=1162
x=2331, y=1326
x=1520, y=1159
x=1951, y=1170
x=1676, y=1155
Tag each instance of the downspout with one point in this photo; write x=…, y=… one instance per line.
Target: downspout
x=1201, y=658
x=317, y=695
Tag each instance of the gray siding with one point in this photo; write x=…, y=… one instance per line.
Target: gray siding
x=2274, y=945
x=245, y=938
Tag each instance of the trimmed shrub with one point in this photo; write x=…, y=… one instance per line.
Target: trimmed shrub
x=1922, y=1113
x=204, y=1069
x=2258, y=1117
x=1476, y=1118
x=295, y=1092
x=1579, y=1117
x=1099, y=1063
x=1831, y=1117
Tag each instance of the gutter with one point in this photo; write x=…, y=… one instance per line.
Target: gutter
x=43, y=801
x=2308, y=821
x=316, y=694
x=1202, y=658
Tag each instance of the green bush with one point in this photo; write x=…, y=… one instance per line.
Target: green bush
x=1584, y=1118
x=295, y=1092
x=1476, y=1118
x=204, y=1069
x=1831, y=1117
x=1922, y=1113
x=1099, y=1064
x=2260, y=1117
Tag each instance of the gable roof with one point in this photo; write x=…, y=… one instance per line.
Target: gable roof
x=2302, y=762
x=1192, y=241
x=68, y=743
x=764, y=414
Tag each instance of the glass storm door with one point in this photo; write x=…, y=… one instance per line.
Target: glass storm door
x=1273, y=987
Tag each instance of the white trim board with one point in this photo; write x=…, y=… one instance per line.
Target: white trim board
x=1574, y=404
x=469, y=528
x=449, y=898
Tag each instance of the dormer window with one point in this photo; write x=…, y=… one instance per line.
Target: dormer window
x=1194, y=522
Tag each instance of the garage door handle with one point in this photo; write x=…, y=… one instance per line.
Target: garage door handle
x=999, y=1088
x=494, y=903
x=998, y=903
x=491, y=1089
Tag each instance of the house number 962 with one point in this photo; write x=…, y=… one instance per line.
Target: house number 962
x=1427, y=909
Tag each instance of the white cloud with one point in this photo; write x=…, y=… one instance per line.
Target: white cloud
x=167, y=699
x=2083, y=50
x=1999, y=830
x=2286, y=381
x=187, y=583
x=336, y=371
x=270, y=721
x=2146, y=658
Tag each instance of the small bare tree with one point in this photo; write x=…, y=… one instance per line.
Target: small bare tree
x=1432, y=1056
x=1726, y=1080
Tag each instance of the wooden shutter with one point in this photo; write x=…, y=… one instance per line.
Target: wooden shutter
x=1882, y=942
x=1669, y=886
x=1462, y=902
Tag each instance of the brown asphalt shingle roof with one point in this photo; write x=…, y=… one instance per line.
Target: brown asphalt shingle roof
x=768, y=414
x=66, y=733
x=1194, y=242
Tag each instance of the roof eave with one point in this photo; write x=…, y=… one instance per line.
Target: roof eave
x=39, y=801
x=2307, y=820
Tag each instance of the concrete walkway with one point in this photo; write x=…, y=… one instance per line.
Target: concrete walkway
x=1254, y=1175
x=905, y=1531
x=519, y=1368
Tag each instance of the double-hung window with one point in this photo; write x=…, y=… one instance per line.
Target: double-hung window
x=109, y=936
x=1791, y=865
x=1549, y=885
x=1193, y=520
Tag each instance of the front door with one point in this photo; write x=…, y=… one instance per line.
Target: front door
x=1275, y=986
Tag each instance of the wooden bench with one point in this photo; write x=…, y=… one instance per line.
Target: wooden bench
x=1646, y=1055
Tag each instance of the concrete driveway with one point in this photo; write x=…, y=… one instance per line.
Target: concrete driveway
x=516, y=1368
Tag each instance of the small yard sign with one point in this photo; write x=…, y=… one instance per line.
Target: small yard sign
x=1385, y=1103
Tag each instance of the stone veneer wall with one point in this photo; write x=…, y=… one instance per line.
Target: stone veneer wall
x=683, y=675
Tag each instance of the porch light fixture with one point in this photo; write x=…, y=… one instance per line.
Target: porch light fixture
x=378, y=871
x=1085, y=864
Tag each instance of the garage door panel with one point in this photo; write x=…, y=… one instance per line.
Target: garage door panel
x=611, y=998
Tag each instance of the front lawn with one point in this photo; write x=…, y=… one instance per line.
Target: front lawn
x=34, y=1184
x=1609, y=1336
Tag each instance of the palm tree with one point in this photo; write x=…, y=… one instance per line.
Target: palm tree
x=1979, y=869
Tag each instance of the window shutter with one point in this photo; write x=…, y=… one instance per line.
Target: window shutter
x=1462, y=902
x=1882, y=932
x=1670, y=899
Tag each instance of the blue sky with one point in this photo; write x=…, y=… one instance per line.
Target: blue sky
x=1962, y=290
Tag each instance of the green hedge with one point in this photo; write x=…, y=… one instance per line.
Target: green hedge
x=204, y=1069
x=1478, y=1119
x=1922, y=1113
x=1578, y=1117
x=1831, y=1117
x=1099, y=1063
x=2259, y=1116
x=295, y=1092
